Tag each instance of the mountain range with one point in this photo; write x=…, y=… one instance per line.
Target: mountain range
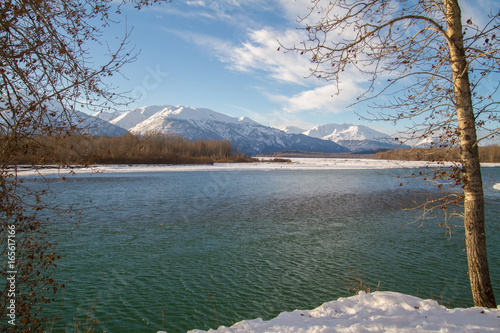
x=357, y=138
x=95, y=125
x=245, y=134
x=58, y=120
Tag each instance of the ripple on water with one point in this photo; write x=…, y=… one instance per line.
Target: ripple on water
x=258, y=243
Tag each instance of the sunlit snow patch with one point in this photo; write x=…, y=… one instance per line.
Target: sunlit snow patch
x=375, y=312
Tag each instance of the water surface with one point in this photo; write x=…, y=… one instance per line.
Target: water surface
x=210, y=248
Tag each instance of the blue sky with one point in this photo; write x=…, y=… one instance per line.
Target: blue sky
x=223, y=55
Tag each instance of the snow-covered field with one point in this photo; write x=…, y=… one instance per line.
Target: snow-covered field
x=375, y=312
x=296, y=164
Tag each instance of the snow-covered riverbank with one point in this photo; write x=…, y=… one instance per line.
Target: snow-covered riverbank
x=375, y=312
x=296, y=164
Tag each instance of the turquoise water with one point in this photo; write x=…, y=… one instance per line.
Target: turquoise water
x=210, y=248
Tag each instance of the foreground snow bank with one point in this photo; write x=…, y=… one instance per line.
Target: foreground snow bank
x=375, y=312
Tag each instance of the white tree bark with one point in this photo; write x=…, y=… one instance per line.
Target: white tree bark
x=474, y=220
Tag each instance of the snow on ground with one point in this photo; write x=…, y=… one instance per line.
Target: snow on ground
x=296, y=164
x=375, y=312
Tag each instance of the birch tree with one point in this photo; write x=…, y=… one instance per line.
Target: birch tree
x=435, y=71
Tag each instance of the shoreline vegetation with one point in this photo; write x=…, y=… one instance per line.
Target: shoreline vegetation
x=165, y=149
x=88, y=150
x=488, y=154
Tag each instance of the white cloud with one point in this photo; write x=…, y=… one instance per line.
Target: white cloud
x=227, y=11
x=221, y=10
x=218, y=45
x=297, y=9
x=323, y=99
x=300, y=13
x=196, y=3
x=189, y=14
x=260, y=52
x=290, y=9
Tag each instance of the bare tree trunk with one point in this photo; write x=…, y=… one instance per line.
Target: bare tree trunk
x=482, y=291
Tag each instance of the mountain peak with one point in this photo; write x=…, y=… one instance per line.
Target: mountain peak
x=293, y=130
x=129, y=119
x=341, y=132
x=197, y=123
x=248, y=121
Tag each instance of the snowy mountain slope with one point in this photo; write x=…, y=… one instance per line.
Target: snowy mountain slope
x=129, y=119
x=96, y=126
x=357, y=138
x=60, y=121
x=293, y=130
x=427, y=142
x=245, y=134
x=158, y=112
x=107, y=116
x=337, y=132
x=80, y=122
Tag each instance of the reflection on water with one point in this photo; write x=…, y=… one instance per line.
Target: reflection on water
x=250, y=244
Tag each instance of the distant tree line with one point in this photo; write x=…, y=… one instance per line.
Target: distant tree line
x=126, y=149
x=487, y=154
x=311, y=154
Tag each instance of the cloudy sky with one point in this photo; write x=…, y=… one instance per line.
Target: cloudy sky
x=223, y=55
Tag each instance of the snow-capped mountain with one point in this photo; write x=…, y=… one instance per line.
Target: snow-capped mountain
x=96, y=126
x=293, y=130
x=245, y=134
x=344, y=132
x=129, y=119
x=107, y=116
x=357, y=138
x=80, y=122
x=152, y=118
x=427, y=142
